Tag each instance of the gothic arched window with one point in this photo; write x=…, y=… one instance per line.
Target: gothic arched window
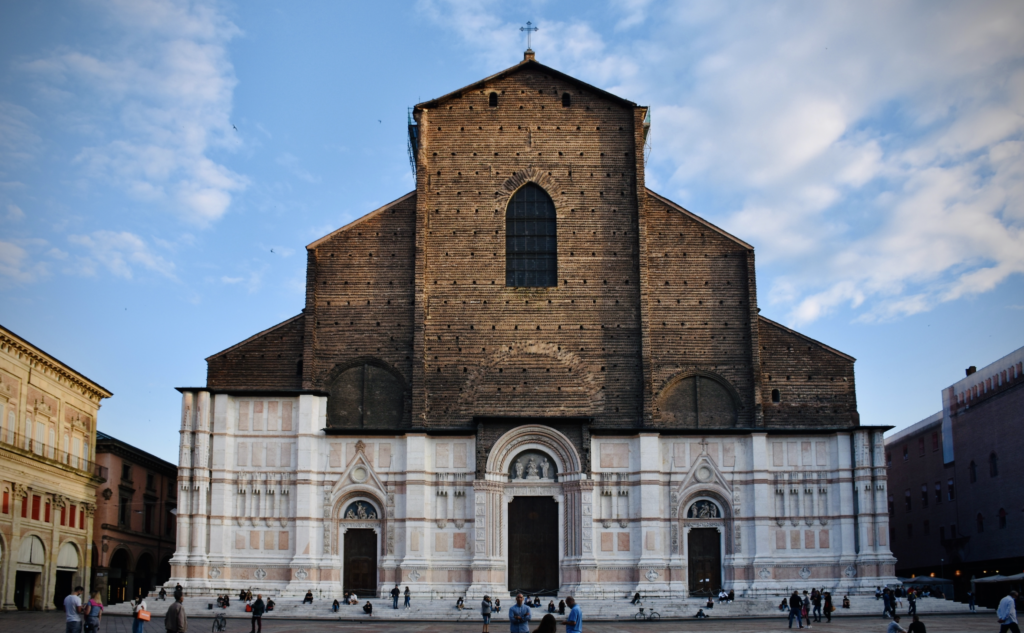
x=531, y=244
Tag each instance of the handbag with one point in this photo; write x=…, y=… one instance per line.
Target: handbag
x=248, y=608
x=143, y=615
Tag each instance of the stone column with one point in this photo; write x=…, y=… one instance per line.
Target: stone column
x=309, y=504
x=179, y=561
x=488, y=567
x=20, y=498
x=764, y=496
x=200, y=490
x=653, y=564
x=90, y=513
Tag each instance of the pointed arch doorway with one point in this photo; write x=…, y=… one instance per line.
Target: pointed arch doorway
x=360, y=534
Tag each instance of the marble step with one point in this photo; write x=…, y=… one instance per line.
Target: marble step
x=597, y=610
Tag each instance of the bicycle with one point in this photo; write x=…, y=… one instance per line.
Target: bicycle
x=220, y=623
x=649, y=617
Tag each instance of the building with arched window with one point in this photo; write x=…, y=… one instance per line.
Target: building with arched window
x=531, y=372
x=48, y=476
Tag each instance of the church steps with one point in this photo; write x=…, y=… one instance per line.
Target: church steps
x=600, y=610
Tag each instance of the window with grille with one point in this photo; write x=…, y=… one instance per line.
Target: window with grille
x=531, y=248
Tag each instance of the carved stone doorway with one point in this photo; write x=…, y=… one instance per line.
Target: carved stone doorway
x=704, y=559
x=533, y=545
x=360, y=562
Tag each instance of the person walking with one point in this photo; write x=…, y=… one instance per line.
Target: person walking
x=1007, y=613
x=548, y=624
x=408, y=598
x=176, y=621
x=894, y=626
x=970, y=601
x=816, y=601
x=519, y=616
x=916, y=626
x=829, y=607
x=394, y=596
x=887, y=609
x=796, y=605
x=912, y=602
x=485, y=612
x=139, y=604
x=574, y=621
x=258, y=609
x=73, y=611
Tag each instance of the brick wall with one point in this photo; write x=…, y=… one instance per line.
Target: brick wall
x=991, y=427
x=268, y=360
x=815, y=382
x=647, y=293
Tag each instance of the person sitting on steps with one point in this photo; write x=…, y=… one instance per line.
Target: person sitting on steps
x=368, y=608
x=551, y=607
x=700, y=614
x=561, y=607
x=308, y=598
x=636, y=598
x=460, y=604
x=335, y=606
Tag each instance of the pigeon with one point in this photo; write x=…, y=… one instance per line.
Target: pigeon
x=235, y=128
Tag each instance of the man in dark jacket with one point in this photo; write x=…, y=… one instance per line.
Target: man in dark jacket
x=257, y=614
x=796, y=605
x=394, y=596
x=175, y=621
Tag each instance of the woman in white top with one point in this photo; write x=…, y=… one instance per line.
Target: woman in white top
x=139, y=604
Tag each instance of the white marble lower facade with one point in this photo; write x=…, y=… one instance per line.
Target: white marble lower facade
x=266, y=498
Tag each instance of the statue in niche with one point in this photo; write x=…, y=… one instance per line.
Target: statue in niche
x=545, y=469
x=360, y=510
x=703, y=510
x=531, y=470
x=519, y=470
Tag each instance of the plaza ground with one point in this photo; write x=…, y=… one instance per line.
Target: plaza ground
x=53, y=622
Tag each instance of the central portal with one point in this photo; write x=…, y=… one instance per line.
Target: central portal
x=361, y=562
x=533, y=545
x=705, y=561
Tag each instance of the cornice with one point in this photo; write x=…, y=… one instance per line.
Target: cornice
x=10, y=342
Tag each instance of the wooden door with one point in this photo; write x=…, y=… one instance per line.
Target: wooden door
x=704, y=558
x=361, y=562
x=533, y=545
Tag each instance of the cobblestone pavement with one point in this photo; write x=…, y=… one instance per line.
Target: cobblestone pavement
x=54, y=623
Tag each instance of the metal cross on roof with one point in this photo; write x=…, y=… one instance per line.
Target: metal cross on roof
x=529, y=28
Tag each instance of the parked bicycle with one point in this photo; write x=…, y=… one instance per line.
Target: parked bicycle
x=220, y=623
x=649, y=615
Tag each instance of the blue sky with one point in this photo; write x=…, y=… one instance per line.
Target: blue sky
x=163, y=164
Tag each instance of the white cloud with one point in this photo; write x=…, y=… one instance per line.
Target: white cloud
x=165, y=89
x=121, y=253
x=15, y=264
x=14, y=213
x=872, y=152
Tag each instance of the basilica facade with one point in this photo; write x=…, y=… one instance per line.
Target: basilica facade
x=531, y=373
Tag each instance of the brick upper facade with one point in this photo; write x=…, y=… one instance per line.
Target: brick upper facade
x=653, y=323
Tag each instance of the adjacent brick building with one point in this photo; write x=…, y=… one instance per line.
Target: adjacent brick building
x=531, y=347
x=134, y=522
x=955, y=499
x=48, y=476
